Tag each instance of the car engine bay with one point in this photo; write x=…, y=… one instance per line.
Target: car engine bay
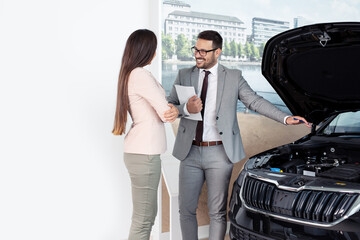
x=327, y=157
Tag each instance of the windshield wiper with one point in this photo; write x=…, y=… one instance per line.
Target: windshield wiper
x=334, y=134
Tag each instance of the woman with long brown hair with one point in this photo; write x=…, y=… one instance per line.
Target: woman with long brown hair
x=144, y=98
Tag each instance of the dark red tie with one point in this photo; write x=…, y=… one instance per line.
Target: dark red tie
x=200, y=125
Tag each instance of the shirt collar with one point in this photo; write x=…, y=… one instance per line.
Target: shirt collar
x=213, y=70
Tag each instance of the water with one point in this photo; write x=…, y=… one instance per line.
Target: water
x=252, y=74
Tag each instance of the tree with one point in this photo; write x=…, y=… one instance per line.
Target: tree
x=254, y=52
x=247, y=49
x=241, y=50
x=167, y=46
x=182, y=44
x=261, y=49
x=193, y=40
x=226, y=49
x=233, y=49
x=223, y=50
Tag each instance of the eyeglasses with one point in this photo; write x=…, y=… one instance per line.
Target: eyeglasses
x=201, y=51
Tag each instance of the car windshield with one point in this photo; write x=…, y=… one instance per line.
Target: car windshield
x=344, y=123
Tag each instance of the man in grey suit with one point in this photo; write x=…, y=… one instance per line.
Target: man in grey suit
x=207, y=149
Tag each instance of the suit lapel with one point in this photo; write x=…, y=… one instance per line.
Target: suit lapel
x=194, y=79
x=220, y=86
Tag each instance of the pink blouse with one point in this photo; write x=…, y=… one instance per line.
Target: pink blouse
x=147, y=107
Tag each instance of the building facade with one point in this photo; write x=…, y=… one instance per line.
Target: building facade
x=263, y=29
x=301, y=21
x=169, y=6
x=191, y=23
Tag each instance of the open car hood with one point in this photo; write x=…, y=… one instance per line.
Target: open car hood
x=315, y=69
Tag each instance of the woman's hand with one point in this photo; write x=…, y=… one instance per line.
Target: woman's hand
x=171, y=114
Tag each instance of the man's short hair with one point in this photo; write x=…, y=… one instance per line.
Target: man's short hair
x=212, y=36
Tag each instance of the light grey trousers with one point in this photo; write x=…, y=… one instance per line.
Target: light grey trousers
x=144, y=171
x=210, y=164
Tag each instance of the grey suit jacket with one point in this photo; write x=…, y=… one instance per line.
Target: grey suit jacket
x=231, y=87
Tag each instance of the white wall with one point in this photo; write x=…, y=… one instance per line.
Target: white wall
x=62, y=174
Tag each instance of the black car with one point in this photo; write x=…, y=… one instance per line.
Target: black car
x=309, y=189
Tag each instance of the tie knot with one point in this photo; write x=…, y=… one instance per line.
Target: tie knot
x=207, y=73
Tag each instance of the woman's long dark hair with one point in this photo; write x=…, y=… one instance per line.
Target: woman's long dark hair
x=139, y=51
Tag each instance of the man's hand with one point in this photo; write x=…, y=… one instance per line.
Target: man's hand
x=194, y=104
x=294, y=120
x=171, y=114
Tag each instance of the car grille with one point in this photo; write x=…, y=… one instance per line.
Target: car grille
x=238, y=233
x=319, y=206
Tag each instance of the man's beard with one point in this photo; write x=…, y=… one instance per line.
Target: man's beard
x=206, y=65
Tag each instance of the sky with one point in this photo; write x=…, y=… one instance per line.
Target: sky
x=315, y=11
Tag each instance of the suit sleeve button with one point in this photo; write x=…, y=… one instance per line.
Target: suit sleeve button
x=217, y=118
x=220, y=133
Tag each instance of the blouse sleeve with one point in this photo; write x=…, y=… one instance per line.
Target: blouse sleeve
x=148, y=88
